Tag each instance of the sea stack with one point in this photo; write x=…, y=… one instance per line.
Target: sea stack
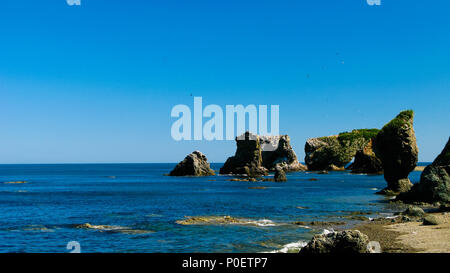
x=434, y=185
x=194, y=164
x=278, y=153
x=396, y=147
x=335, y=152
x=247, y=159
x=257, y=155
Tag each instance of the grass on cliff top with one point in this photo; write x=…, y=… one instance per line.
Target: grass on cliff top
x=367, y=134
x=405, y=117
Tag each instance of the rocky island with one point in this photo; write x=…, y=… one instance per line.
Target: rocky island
x=257, y=155
x=335, y=152
x=194, y=164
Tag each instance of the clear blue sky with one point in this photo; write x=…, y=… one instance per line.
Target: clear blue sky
x=97, y=82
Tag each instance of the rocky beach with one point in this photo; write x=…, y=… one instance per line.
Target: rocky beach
x=410, y=236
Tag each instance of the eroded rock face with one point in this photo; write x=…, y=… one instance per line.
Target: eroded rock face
x=434, y=185
x=347, y=241
x=396, y=146
x=194, y=164
x=366, y=161
x=257, y=155
x=247, y=159
x=277, y=152
x=335, y=152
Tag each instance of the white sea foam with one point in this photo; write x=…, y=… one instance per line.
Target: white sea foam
x=296, y=246
x=263, y=223
x=291, y=247
x=327, y=231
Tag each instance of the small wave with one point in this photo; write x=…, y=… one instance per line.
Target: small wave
x=154, y=215
x=327, y=231
x=262, y=223
x=291, y=247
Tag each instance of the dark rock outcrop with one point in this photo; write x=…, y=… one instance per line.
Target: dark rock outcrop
x=366, y=161
x=396, y=146
x=336, y=152
x=280, y=175
x=434, y=185
x=347, y=241
x=194, y=164
x=247, y=159
x=257, y=155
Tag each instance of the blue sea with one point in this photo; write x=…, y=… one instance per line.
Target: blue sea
x=41, y=215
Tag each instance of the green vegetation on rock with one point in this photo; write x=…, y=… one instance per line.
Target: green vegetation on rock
x=335, y=152
x=405, y=117
x=366, y=134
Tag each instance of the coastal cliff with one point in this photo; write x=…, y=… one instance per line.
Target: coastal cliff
x=336, y=152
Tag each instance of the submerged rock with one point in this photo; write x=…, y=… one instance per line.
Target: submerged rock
x=320, y=223
x=280, y=176
x=366, y=161
x=112, y=229
x=223, y=220
x=195, y=164
x=208, y=220
x=347, y=241
x=396, y=146
x=336, y=152
x=434, y=185
x=15, y=182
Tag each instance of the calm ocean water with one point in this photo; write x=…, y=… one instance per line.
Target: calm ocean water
x=39, y=216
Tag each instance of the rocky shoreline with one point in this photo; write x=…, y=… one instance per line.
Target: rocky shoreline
x=412, y=231
x=410, y=236
x=391, y=151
